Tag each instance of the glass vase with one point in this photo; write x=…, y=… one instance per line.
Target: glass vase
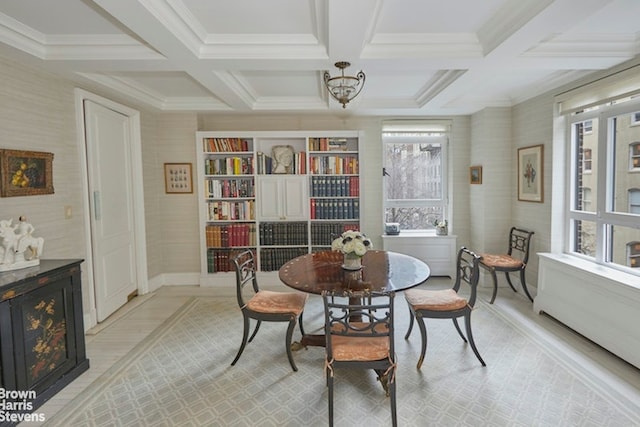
x=352, y=262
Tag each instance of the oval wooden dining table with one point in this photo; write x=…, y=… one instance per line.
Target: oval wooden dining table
x=382, y=271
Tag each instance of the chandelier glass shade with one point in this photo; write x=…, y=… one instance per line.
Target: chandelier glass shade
x=344, y=88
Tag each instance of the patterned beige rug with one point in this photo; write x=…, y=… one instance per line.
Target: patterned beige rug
x=180, y=376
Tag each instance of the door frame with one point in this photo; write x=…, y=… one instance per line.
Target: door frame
x=138, y=198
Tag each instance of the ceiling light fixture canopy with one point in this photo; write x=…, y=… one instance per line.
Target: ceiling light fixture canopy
x=344, y=88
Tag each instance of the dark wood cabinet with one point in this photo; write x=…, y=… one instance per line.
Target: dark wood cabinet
x=41, y=334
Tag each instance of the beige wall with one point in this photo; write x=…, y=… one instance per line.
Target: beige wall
x=37, y=112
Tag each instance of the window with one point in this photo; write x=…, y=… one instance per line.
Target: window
x=635, y=118
x=605, y=194
x=588, y=126
x=634, y=155
x=586, y=160
x=633, y=249
x=634, y=201
x=415, y=185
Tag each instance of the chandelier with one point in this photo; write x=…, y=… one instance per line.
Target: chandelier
x=343, y=88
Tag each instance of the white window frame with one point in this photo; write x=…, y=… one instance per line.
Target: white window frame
x=603, y=215
x=435, y=131
x=632, y=146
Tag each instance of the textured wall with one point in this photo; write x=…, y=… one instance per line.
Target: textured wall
x=37, y=113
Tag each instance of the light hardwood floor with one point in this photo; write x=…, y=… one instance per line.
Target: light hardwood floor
x=113, y=339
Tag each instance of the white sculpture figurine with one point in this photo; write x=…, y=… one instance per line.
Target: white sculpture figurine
x=283, y=155
x=19, y=248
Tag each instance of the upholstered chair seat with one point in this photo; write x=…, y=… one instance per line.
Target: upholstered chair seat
x=441, y=300
x=278, y=302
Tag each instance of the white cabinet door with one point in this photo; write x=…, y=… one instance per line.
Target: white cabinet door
x=282, y=198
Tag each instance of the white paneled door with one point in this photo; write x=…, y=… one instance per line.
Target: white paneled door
x=109, y=164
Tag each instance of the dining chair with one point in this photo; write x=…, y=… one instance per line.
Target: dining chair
x=514, y=260
x=360, y=335
x=447, y=303
x=263, y=305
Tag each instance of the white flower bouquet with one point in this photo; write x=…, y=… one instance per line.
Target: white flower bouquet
x=351, y=242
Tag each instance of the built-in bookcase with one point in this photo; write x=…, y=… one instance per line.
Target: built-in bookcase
x=249, y=200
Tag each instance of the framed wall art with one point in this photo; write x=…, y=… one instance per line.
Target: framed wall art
x=25, y=173
x=178, y=178
x=475, y=175
x=530, y=176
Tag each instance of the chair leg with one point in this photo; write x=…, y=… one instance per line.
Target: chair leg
x=506, y=274
x=455, y=322
x=467, y=322
x=255, y=331
x=524, y=285
x=330, y=397
x=245, y=334
x=392, y=398
x=300, y=323
x=292, y=326
x=406, y=336
x=423, y=335
x=495, y=286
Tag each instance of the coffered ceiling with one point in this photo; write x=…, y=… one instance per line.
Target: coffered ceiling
x=420, y=57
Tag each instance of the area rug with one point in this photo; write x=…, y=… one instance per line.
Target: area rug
x=181, y=376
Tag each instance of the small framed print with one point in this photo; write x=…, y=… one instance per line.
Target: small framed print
x=25, y=173
x=178, y=178
x=530, y=163
x=475, y=175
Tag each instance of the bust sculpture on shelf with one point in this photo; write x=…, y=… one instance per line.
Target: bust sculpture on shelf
x=19, y=248
x=283, y=156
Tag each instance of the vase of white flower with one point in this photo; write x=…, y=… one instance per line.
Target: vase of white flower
x=353, y=244
x=442, y=227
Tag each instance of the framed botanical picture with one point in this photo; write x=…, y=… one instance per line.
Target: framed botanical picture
x=178, y=178
x=25, y=173
x=475, y=175
x=530, y=161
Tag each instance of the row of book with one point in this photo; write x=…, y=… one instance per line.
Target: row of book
x=322, y=234
x=230, y=235
x=266, y=165
x=272, y=259
x=219, y=260
x=335, y=209
x=234, y=187
x=335, y=186
x=214, y=145
x=333, y=165
x=229, y=166
x=283, y=233
x=328, y=144
x=225, y=210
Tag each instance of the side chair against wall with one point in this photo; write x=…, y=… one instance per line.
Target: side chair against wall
x=263, y=305
x=447, y=303
x=514, y=260
x=360, y=335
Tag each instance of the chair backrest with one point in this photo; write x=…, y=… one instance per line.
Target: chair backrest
x=371, y=317
x=245, y=266
x=467, y=271
x=519, y=243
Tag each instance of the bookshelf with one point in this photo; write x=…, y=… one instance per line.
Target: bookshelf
x=250, y=198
